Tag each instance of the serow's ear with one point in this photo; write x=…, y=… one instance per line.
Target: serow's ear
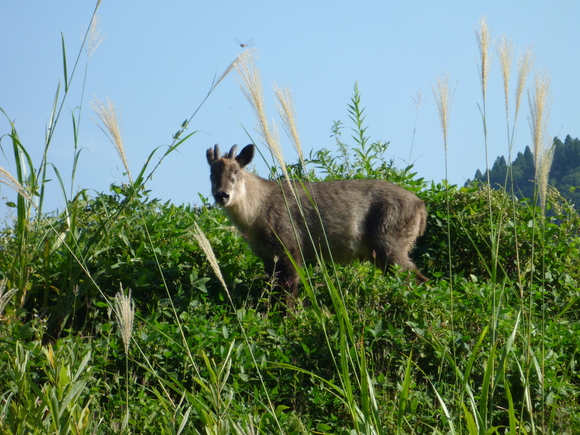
x=246, y=155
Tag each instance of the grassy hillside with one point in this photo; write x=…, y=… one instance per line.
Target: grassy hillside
x=124, y=314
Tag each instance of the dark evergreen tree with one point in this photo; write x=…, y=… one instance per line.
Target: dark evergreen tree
x=564, y=173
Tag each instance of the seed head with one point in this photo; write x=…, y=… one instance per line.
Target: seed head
x=125, y=313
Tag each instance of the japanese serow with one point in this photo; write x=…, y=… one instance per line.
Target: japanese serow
x=339, y=221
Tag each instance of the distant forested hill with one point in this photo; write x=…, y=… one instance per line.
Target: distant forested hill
x=564, y=172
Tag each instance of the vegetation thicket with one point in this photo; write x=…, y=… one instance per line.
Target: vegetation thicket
x=126, y=314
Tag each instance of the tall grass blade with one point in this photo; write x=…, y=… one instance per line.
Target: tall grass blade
x=513, y=422
x=404, y=395
x=472, y=426
x=445, y=410
x=64, y=67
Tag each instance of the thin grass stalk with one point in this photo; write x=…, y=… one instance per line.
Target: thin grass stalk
x=444, y=99
x=250, y=83
x=346, y=366
x=341, y=314
x=31, y=181
x=525, y=62
x=402, y=404
x=8, y=179
x=108, y=116
x=287, y=112
x=107, y=113
x=540, y=101
x=25, y=186
x=418, y=103
x=25, y=201
x=91, y=41
x=483, y=41
x=199, y=235
x=177, y=137
x=154, y=371
x=347, y=338
x=357, y=116
x=505, y=52
x=125, y=313
x=57, y=108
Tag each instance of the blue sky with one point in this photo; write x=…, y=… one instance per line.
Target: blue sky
x=159, y=59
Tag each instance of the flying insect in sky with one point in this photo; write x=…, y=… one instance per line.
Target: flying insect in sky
x=248, y=43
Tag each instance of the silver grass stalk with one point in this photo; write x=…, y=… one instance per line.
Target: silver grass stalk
x=107, y=113
x=540, y=101
x=94, y=37
x=244, y=56
x=547, y=159
x=483, y=40
x=505, y=50
x=124, y=309
x=418, y=100
x=207, y=249
x=525, y=64
x=287, y=111
x=8, y=179
x=443, y=99
x=250, y=82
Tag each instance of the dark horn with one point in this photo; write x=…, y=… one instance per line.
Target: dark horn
x=232, y=153
x=216, y=152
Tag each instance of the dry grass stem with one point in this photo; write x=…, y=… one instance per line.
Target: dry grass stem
x=94, y=37
x=418, y=100
x=540, y=104
x=505, y=50
x=125, y=313
x=276, y=150
x=243, y=57
x=7, y=179
x=207, y=249
x=540, y=101
x=483, y=40
x=287, y=111
x=443, y=99
x=525, y=63
x=107, y=113
x=250, y=82
x=547, y=159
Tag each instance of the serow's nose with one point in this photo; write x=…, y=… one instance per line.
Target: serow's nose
x=222, y=196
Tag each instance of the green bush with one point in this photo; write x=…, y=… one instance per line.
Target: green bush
x=487, y=346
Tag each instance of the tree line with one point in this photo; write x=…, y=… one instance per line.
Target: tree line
x=564, y=172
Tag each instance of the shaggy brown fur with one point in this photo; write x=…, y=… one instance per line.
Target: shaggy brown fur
x=339, y=220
